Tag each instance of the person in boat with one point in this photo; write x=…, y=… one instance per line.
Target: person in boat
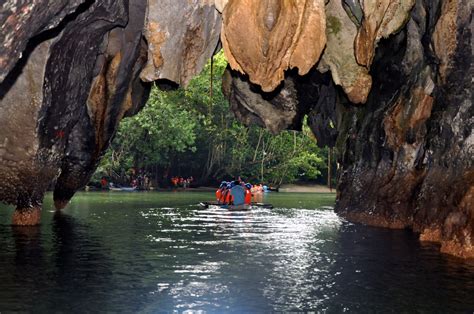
x=227, y=194
x=238, y=194
x=248, y=194
x=224, y=196
x=220, y=190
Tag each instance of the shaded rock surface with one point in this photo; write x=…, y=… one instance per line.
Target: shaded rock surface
x=387, y=83
x=407, y=154
x=182, y=35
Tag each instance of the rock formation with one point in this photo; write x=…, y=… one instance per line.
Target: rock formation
x=387, y=83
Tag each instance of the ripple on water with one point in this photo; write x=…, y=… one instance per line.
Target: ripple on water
x=165, y=258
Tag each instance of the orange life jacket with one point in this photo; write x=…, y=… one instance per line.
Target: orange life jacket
x=248, y=197
x=218, y=194
x=228, y=198
x=223, y=196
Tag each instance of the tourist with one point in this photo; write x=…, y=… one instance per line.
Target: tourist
x=103, y=183
x=248, y=194
x=238, y=193
x=220, y=190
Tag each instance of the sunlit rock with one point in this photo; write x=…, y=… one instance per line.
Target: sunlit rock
x=264, y=38
x=381, y=19
x=30, y=216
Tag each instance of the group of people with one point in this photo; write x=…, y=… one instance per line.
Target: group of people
x=181, y=182
x=234, y=193
x=139, y=182
x=259, y=188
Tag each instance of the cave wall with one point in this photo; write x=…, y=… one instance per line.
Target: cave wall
x=407, y=154
x=401, y=100
x=71, y=70
x=387, y=83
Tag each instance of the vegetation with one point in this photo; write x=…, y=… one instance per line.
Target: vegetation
x=186, y=133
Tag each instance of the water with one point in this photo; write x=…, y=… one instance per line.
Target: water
x=158, y=252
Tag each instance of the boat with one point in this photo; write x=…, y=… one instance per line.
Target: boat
x=128, y=189
x=123, y=189
x=236, y=207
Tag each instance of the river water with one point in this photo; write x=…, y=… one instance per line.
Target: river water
x=159, y=252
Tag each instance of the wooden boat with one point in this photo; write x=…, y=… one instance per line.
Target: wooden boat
x=236, y=207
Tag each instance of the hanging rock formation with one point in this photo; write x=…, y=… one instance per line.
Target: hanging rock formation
x=387, y=83
x=265, y=38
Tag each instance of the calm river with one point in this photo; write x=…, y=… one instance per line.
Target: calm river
x=159, y=252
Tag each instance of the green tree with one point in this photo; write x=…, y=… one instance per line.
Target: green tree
x=192, y=132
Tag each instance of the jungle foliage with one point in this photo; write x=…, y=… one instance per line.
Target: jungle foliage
x=186, y=132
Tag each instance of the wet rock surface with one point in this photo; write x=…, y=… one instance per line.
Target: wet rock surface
x=388, y=84
x=407, y=154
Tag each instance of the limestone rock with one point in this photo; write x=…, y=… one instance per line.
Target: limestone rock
x=339, y=55
x=182, y=35
x=220, y=5
x=25, y=167
x=417, y=171
x=381, y=19
x=445, y=36
x=114, y=91
x=264, y=38
x=285, y=108
x=21, y=20
x=276, y=111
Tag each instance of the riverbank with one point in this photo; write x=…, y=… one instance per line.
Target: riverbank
x=306, y=188
x=285, y=188
x=291, y=188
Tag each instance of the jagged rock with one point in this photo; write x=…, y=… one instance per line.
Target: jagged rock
x=182, y=35
x=276, y=111
x=445, y=36
x=285, y=108
x=381, y=19
x=339, y=55
x=114, y=91
x=49, y=126
x=264, y=38
x=20, y=21
x=406, y=155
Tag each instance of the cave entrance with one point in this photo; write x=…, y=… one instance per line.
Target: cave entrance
x=190, y=137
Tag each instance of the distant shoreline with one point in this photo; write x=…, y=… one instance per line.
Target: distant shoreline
x=285, y=188
x=298, y=188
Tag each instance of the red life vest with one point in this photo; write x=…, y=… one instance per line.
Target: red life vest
x=223, y=196
x=248, y=197
x=228, y=198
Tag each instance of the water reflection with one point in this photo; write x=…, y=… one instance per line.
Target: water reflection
x=125, y=255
